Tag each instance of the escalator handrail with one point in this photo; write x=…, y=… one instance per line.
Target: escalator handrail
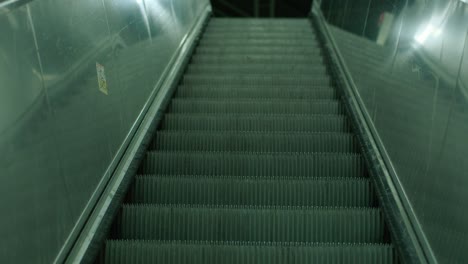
x=10, y=5
x=417, y=249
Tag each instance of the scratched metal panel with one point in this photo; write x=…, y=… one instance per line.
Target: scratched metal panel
x=415, y=88
x=58, y=131
x=35, y=212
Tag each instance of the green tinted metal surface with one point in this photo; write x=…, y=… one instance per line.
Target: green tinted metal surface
x=254, y=161
x=246, y=253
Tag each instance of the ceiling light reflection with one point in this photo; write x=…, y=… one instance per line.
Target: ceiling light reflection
x=429, y=31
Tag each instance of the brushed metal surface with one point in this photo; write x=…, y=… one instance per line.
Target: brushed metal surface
x=60, y=135
x=415, y=87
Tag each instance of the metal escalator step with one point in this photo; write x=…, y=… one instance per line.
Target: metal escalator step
x=266, y=23
x=259, y=49
x=258, y=86
x=264, y=123
x=254, y=164
x=254, y=106
x=196, y=252
x=252, y=191
x=218, y=91
x=260, y=69
x=258, y=35
x=306, y=28
x=254, y=142
x=265, y=27
x=266, y=42
x=259, y=29
x=256, y=79
x=258, y=59
x=235, y=223
x=210, y=36
x=232, y=39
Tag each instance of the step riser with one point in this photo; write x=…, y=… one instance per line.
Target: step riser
x=255, y=123
x=319, y=165
x=323, y=94
x=253, y=143
x=219, y=224
x=260, y=50
x=258, y=29
x=255, y=79
x=257, y=59
x=229, y=106
x=122, y=252
x=252, y=192
x=221, y=37
x=245, y=70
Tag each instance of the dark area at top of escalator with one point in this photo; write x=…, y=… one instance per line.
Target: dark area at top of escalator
x=261, y=8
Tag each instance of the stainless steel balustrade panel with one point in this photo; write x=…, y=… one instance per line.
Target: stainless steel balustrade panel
x=415, y=88
x=58, y=132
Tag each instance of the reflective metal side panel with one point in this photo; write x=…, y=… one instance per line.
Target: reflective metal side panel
x=409, y=61
x=74, y=77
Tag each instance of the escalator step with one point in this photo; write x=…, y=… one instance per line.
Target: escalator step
x=267, y=34
x=274, y=36
x=179, y=252
x=259, y=41
x=254, y=164
x=249, y=191
x=259, y=86
x=259, y=49
x=277, y=123
x=255, y=79
x=261, y=28
x=306, y=30
x=244, y=106
x=254, y=142
x=219, y=91
x=249, y=22
x=227, y=59
x=260, y=69
x=235, y=223
x=266, y=26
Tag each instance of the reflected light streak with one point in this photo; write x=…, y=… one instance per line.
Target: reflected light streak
x=429, y=31
x=141, y=5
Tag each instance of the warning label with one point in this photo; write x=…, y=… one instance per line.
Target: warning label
x=101, y=76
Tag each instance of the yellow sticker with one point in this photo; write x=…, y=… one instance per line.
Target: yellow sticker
x=101, y=75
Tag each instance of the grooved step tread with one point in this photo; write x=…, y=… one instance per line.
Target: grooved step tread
x=258, y=29
x=254, y=78
x=248, y=22
x=259, y=86
x=241, y=122
x=262, y=27
x=254, y=164
x=209, y=35
x=257, y=58
x=266, y=42
x=233, y=223
x=258, y=49
x=215, y=90
x=254, y=142
x=179, y=252
x=245, y=106
x=261, y=69
x=253, y=191
x=233, y=36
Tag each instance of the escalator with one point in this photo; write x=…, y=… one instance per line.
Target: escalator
x=254, y=161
